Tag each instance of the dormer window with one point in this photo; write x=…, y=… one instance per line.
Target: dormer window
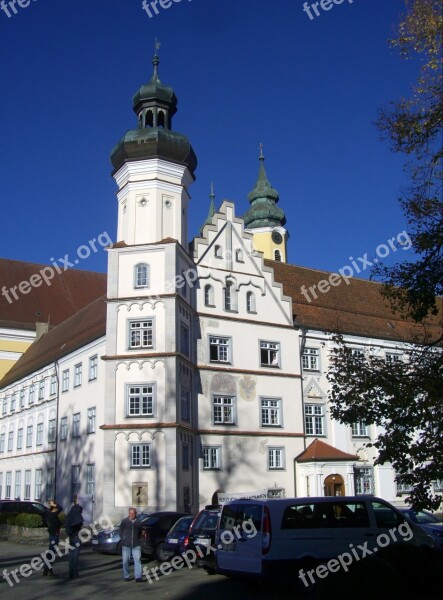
x=218, y=253
x=141, y=275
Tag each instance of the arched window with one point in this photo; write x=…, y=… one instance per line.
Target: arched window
x=161, y=119
x=239, y=256
x=277, y=255
x=250, y=302
x=141, y=275
x=209, y=295
x=218, y=252
x=230, y=296
x=149, y=119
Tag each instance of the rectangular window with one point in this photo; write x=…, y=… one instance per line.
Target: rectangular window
x=276, y=458
x=359, y=429
x=39, y=440
x=1, y=486
x=41, y=389
x=392, y=357
x=90, y=427
x=20, y=438
x=65, y=380
x=51, y=431
x=22, y=398
x=63, y=428
x=270, y=412
x=50, y=487
x=8, y=484
x=53, y=385
x=185, y=456
x=211, y=458
x=29, y=436
x=10, y=441
x=140, y=401
x=27, y=485
x=2, y=442
x=75, y=480
x=314, y=419
x=186, y=405
x=13, y=398
x=219, y=349
x=90, y=479
x=363, y=480
x=78, y=375
x=18, y=485
x=93, y=366
x=140, y=455
x=184, y=339
x=311, y=359
x=223, y=410
x=141, y=334
x=38, y=484
x=76, y=425
x=269, y=354
x=358, y=352
x=5, y=406
x=32, y=393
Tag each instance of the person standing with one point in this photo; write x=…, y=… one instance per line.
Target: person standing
x=130, y=530
x=73, y=524
x=54, y=524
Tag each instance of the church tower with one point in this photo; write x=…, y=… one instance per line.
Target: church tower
x=264, y=219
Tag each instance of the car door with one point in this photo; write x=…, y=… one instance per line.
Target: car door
x=239, y=539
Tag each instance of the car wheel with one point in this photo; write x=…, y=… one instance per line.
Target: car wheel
x=161, y=554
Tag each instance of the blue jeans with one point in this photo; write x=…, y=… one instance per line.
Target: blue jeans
x=74, y=541
x=136, y=556
x=53, y=541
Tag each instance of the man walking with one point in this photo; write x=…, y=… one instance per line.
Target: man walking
x=54, y=524
x=73, y=524
x=130, y=529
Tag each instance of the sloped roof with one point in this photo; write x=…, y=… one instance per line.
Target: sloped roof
x=67, y=293
x=85, y=326
x=356, y=309
x=319, y=450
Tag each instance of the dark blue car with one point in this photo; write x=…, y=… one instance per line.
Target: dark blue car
x=176, y=539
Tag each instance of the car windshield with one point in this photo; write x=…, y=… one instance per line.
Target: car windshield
x=423, y=517
x=206, y=520
x=182, y=525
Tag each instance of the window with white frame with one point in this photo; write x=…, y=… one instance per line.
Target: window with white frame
x=223, y=410
x=359, y=429
x=269, y=354
x=314, y=419
x=53, y=387
x=363, y=480
x=93, y=366
x=140, y=400
x=140, y=456
x=39, y=438
x=65, y=380
x=50, y=484
x=8, y=484
x=78, y=374
x=141, y=275
x=185, y=456
x=90, y=479
x=75, y=480
x=76, y=425
x=393, y=357
x=185, y=404
x=41, y=389
x=22, y=397
x=2, y=442
x=276, y=458
x=63, y=428
x=311, y=359
x=230, y=297
x=141, y=334
x=5, y=406
x=27, y=495
x=29, y=436
x=18, y=485
x=20, y=438
x=184, y=339
x=219, y=349
x=211, y=458
x=1, y=486
x=51, y=431
x=90, y=426
x=209, y=295
x=38, y=484
x=10, y=440
x=358, y=352
x=270, y=412
x=250, y=302
x=32, y=393
x=13, y=402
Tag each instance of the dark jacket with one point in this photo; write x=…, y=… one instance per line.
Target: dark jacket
x=130, y=532
x=74, y=520
x=53, y=521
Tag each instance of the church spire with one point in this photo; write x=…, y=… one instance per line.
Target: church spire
x=212, y=210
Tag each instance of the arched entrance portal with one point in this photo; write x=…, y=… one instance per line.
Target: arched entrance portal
x=334, y=485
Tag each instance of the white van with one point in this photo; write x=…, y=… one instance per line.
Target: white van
x=303, y=532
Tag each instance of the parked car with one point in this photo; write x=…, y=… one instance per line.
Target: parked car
x=177, y=539
x=427, y=521
x=16, y=507
x=202, y=536
x=108, y=541
x=154, y=531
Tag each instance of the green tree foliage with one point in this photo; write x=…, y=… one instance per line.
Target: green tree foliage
x=405, y=397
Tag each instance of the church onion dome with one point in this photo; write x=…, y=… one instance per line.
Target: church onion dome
x=154, y=104
x=263, y=199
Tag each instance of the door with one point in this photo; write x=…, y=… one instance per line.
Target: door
x=334, y=485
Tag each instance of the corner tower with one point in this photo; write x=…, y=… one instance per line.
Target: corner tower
x=264, y=219
x=153, y=168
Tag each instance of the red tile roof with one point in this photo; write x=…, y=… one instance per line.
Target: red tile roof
x=319, y=450
x=356, y=309
x=67, y=293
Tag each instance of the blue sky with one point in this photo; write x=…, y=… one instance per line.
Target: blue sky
x=244, y=72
